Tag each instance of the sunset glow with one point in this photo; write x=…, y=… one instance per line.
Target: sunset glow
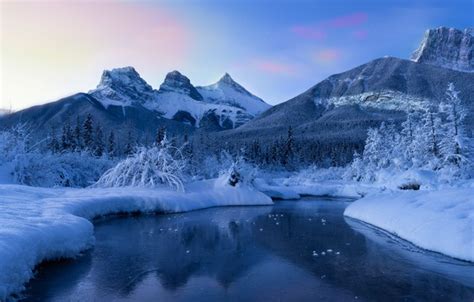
x=51, y=49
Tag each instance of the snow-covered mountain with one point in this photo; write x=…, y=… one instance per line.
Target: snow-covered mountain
x=124, y=102
x=447, y=47
x=224, y=105
x=122, y=87
x=179, y=100
x=227, y=91
x=335, y=113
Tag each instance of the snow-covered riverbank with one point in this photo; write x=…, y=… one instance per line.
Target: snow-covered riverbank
x=38, y=224
x=440, y=220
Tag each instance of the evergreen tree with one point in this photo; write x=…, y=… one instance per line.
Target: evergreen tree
x=187, y=148
x=160, y=135
x=87, y=133
x=77, y=136
x=288, y=147
x=408, y=144
x=371, y=157
x=453, y=141
x=111, y=149
x=427, y=139
x=66, y=138
x=99, y=141
x=53, y=144
x=129, y=146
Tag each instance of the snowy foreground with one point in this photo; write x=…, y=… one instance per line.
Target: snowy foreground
x=38, y=224
x=440, y=221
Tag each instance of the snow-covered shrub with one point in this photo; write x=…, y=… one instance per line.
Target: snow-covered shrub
x=239, y=172
x=59, y=170
x=29, y=165
x=14, y=142
x=159, y=165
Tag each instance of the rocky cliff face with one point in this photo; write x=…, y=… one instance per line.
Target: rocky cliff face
x=447, y=47
x=121, y=86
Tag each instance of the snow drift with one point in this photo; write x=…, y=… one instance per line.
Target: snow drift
x=439, y=221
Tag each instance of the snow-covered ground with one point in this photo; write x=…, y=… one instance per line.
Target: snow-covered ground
x=439, y=220
x=38, y=224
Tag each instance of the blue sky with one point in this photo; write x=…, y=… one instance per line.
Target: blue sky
x=276, y=49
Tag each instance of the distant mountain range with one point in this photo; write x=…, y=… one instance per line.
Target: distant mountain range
x=337, y=109
x=123, y=101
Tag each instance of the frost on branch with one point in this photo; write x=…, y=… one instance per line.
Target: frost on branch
x=160, y=165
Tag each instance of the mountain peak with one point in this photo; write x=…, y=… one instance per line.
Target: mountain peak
x=447, y=47
x=124, y=77
x=228, y=81
x=179, y=83
x=121, y=86
x=226, y=78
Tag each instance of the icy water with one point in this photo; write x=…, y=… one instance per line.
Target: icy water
x=292, y=251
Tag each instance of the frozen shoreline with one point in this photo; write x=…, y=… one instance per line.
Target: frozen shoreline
x=41, y=224
x=440, y=221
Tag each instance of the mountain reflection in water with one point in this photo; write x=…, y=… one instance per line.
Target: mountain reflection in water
x=292, y=251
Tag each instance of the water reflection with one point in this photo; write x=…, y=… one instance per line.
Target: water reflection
x=302, y=250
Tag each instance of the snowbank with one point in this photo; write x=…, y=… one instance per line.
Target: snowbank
x=275, y=191
x=287, y=188
x=38, y=224
x=440, y=221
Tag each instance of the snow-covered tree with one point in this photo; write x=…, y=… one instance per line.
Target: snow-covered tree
x=454, y=139
x=151, y=167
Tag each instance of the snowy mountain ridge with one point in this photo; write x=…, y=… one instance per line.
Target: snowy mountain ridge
x=122, y=87
x=227, y=91
x=447, y=47
x=225, y=104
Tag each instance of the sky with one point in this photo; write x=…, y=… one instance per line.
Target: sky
x=276, y=49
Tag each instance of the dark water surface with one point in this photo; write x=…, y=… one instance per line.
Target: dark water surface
x=252, y=254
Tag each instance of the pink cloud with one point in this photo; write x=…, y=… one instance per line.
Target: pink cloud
x=309, y=32
x=320, y=30
x=328, y=55
x=348, y=20
x=274, y=67
x=360, y=34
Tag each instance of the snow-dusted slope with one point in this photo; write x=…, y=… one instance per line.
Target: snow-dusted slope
x=227, y=91
x=178, y=99
x=224, y=105
x=447, y=47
